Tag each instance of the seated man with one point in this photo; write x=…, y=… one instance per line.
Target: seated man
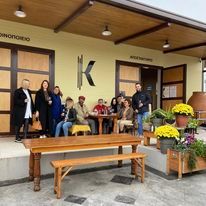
x=100, y=108
x=83, y=114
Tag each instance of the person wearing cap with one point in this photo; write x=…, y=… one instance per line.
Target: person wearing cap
x=83, y=114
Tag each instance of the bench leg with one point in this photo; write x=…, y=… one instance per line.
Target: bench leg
x=146, y=141
x=120, y=151
x=55, y=180
x=133, y=162
x=37, y=173
x=142, y=170
x=59, y=176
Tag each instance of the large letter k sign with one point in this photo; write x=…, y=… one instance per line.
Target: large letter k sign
x=86, y=72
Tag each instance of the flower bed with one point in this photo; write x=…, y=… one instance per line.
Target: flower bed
x=178, y=161
x=187, y=155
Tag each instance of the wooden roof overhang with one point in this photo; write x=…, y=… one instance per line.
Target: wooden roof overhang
x=130, y=23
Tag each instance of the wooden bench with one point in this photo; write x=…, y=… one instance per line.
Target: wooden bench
x=59, y=165
x=147, y=136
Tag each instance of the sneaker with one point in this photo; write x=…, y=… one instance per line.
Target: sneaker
x=43, y=136
x=18, y=140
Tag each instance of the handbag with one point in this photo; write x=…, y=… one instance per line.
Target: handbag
x=36, y=125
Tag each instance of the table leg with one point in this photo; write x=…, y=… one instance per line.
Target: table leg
x=120, y=151
x=37, y=173
x=115, y=125
x=133, y=162
x=100, y=120
x=31, y=166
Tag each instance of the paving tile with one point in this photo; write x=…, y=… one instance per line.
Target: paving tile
x=122, y=179
x=75, y=199
x=125, y=199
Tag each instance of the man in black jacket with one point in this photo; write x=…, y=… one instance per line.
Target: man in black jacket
x=140, y=104
x=23, y=109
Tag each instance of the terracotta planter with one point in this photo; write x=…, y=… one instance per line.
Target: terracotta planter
x=181, y=120
x=197, y=101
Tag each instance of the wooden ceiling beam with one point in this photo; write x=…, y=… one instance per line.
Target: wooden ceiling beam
x=142, y=33
x=185, y=47
x=74, y=15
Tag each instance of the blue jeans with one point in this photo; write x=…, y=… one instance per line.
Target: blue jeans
x=139, y=121
x=65, y=126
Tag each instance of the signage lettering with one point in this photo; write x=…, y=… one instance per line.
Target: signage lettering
x=141, y=58
x=12, y=36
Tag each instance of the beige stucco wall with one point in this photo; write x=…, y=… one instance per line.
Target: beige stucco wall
x=68, y=46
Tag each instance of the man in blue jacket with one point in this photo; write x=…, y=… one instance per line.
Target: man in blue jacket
x=140, y=104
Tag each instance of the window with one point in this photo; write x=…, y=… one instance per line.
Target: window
x=204, y=75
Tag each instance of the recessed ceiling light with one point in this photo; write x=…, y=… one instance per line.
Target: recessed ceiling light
x=19, y=12
x=166, y=45
x=106, y=32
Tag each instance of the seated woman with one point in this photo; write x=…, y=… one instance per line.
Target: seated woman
x=113, y=105
x=69, y=118
x=125, y=115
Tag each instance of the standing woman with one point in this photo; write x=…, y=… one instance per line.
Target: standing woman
x=23, y=109
x=43, y=103
x=56, y=108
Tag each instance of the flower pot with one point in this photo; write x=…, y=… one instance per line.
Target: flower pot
x=147, y=126
x=169, y=121
x=157, y=122
x=166, y=143
x=182, y=120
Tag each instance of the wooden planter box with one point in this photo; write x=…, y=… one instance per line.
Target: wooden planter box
x=177, y=161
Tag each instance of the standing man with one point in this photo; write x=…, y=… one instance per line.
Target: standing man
x=23, y=109
x=140, y=104
x=83, y=115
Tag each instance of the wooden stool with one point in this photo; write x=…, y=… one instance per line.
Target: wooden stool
x=79, y=128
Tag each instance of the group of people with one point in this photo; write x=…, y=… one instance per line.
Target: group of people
x=56, y=118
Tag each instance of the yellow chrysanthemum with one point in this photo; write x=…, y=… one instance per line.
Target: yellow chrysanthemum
x=184, y=109
x=166, y=131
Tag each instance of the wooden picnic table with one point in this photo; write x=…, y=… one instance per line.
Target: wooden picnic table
x=100, y=118
x=38, y=146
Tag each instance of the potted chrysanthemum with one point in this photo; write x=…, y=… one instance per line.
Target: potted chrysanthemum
x=167, y=135
x=182, y=113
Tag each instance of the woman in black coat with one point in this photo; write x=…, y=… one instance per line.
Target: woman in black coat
x=43, y=104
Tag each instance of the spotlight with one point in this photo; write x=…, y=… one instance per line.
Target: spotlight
x=166, y=45
x=106, y=32
x=19, y=12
